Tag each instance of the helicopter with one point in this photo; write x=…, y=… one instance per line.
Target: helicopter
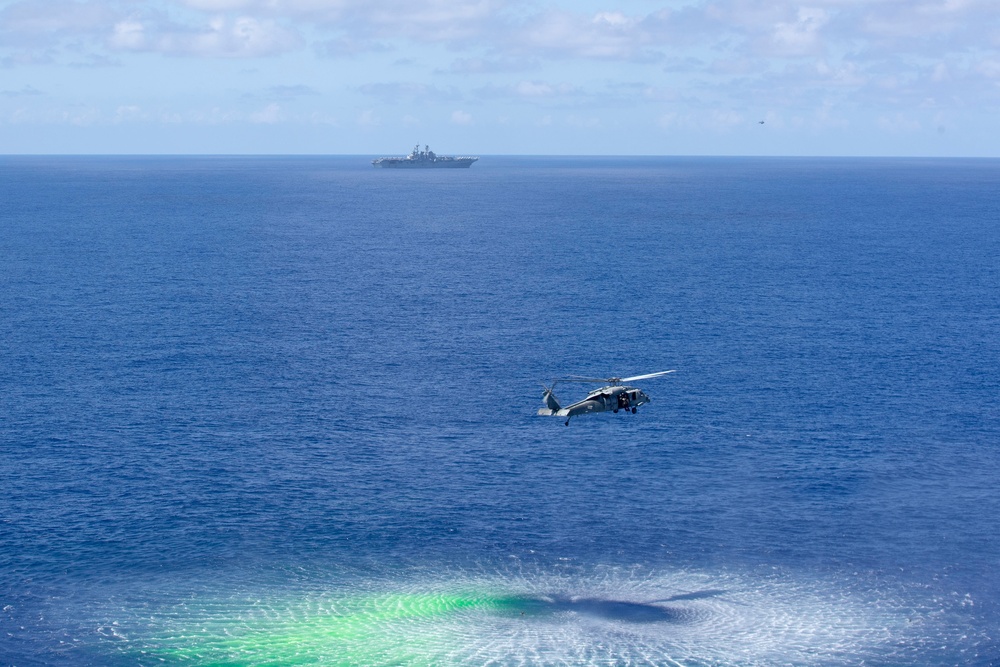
x=615, y=395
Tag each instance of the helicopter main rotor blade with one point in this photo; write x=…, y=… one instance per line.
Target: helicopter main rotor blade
x=613, y=380
x=645, y=377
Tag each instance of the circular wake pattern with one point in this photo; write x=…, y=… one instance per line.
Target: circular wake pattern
x=611, y=617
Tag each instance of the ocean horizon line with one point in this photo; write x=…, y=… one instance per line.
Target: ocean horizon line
x=529, y=155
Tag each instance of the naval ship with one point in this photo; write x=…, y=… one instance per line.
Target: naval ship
x=424, y=159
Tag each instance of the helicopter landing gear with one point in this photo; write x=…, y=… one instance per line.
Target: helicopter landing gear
x=615, y=411
x=633, y=410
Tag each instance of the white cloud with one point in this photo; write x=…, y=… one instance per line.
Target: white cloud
x=533, y=89
x=320, y=118
x=542, y=89
x=242, y=37
x=543, y=93
x=129, y=35
x=800, y=37
x=426, y=20
x=616, y=19
x=33, y=22
x=461, y=118
x=604, y=35
x=128, y=112
x=368, y=118
x=701, y=65
x=219, y=5
x=82, y=117
x=215, y=116
x=269, y=115
x=501, y=35
x=989, y=67
x=841, y=74
x=429, y=20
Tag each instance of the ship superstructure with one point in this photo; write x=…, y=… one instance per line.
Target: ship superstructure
x=424, y=159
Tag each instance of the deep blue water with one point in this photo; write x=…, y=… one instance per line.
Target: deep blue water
x=273, y=386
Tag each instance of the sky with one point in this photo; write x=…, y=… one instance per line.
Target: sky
x=494, y=77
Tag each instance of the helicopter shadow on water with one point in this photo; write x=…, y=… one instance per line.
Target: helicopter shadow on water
x=607, y=609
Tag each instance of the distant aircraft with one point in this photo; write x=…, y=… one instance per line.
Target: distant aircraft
x=760, y=122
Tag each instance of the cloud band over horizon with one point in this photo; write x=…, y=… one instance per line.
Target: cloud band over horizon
x=507, y=76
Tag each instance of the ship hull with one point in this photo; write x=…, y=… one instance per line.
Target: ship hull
x=424, y=164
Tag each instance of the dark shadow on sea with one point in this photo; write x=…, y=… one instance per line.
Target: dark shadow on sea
x=606, y=609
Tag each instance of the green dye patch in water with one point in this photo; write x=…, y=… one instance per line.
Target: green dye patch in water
x=392, y=629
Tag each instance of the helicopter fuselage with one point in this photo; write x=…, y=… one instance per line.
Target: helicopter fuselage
x=611, y=398
x=615, y=395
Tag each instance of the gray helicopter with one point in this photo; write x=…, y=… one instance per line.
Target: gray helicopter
x=614, y=396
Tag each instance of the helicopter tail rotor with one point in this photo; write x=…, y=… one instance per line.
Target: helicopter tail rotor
x=551, y=404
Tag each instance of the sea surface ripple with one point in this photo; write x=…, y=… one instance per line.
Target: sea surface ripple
x=281, y=411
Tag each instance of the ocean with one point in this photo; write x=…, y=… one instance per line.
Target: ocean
x=282, y=411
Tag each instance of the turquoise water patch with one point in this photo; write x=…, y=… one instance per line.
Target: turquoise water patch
x=401, y=628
